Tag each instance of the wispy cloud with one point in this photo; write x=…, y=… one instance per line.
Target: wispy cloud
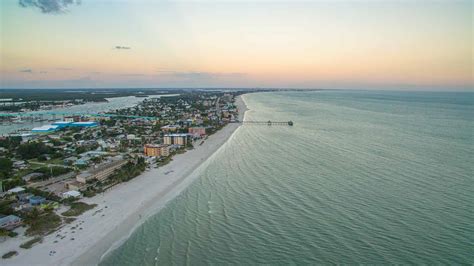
x=118, y=47
x=49, y=6
x=198, y=74
x=31, y=71
x=132, y=75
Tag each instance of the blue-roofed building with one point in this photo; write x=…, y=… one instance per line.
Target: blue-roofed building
x=84, y=124
x=45, y=129
x=37, y=200
x=62, y=124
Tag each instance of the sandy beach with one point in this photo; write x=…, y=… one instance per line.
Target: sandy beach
x=119, y=210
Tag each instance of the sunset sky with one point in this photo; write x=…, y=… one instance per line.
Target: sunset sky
x=297, y=44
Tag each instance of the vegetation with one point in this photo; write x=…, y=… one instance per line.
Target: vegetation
x=6, y=166
x=77, y=208
x=5, y=207
x=10, y=142
x=5, y=232
x=41, y=223
x=129, y=170
x=9, y=254
x=32, y=150
x=52, y=171
x=28, y=244
x=44, y=194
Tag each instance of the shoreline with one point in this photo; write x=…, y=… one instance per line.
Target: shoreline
x=121, y=210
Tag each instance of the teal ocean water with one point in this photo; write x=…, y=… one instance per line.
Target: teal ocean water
x=362, y=177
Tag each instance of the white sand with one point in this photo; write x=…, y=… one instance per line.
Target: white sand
x=120, y=210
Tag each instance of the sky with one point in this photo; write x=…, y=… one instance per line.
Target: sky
x=256, y=44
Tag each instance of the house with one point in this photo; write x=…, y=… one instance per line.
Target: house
x=9, y=222
x=24, y=197
x=37, y=200
x=16, y=190
x=28, y=177
x=18, y=206
x=70, y=160
x=71, y=194
x=19, y=164
x=81, y=162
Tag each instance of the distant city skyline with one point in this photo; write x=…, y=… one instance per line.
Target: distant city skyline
x=303, y=44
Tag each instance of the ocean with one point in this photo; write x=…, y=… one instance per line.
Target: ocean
x=363, y=177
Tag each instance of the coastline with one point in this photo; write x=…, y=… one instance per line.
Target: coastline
x=124, y=208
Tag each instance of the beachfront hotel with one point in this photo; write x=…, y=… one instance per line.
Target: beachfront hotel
x=178, y=139
x=155, y=150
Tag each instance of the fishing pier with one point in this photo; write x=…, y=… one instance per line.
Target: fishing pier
x=268, y=123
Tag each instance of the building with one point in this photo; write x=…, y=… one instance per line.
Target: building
x=9, y=222
x=28, y=177
x=69, y=119
x=165, y=151
x=62, y=124
x=102, y=171
x=167, y=140
x=178, y=139
x=169, y=128
x=197, y=131
x=16, y=190
x=152, y=150
x=84, y=124
x=71, y=194
x=37, y=200
x=45, y=129
x=84, y=177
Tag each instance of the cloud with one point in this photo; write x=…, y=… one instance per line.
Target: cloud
x=118, y=47
x=199, y=75
x=49, y=6
x=132, y=75
x=31, y=71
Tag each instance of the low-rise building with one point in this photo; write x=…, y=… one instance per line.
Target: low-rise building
x=10, y=222
x=165, y=151
x=101, y=171
x=197, y=131
x=84, y=177
x=37, y=200
x=71, y=194
x=31, y=176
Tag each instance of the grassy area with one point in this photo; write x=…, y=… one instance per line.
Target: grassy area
x=28, y=244
x=77, y=208
x=9, y=254
x=42, y=224
x=165, y=161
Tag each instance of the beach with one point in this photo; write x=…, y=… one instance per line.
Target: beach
x=120, y=210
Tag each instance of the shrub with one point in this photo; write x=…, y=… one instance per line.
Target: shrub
x=9, y=254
